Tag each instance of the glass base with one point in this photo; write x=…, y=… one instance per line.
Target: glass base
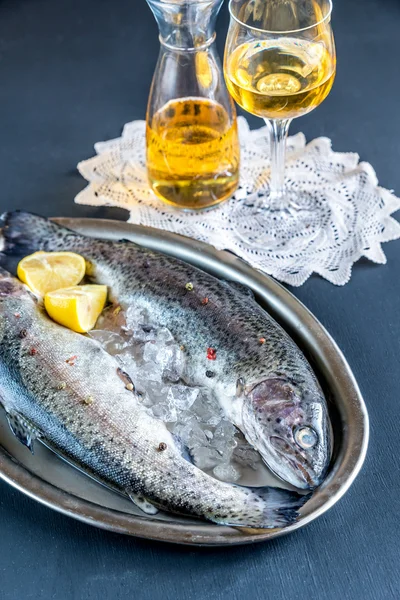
x=295, y=221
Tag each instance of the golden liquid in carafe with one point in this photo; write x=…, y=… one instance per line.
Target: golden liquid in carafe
x=193, y=153
x=280, y=79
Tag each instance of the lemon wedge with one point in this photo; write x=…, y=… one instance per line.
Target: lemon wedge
x=77, y=307
x=47, y=271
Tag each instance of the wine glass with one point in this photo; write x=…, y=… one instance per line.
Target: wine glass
x=280, y=63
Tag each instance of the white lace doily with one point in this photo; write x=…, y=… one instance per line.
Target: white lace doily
x=352, y=220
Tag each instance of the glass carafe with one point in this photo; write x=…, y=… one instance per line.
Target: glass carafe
x=192, y=139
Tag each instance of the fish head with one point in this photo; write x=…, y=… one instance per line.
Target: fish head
x=291, y=430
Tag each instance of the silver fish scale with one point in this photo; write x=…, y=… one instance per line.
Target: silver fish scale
x=68, y=388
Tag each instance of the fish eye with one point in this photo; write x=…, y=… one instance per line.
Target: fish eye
x=305, y=437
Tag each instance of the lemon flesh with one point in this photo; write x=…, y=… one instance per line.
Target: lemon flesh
x=76, y=307
x=45, y=272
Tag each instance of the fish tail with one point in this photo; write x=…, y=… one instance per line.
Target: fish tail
x=24, y=233
x=281, y=507
x=269, y=508
x=262, y=508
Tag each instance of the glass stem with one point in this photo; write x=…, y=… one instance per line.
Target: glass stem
x=278, y=129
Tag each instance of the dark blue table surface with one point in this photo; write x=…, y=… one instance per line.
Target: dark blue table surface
x=72, y=72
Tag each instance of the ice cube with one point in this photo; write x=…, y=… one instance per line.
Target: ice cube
x=197, y=436
x=224, y=437
x=150, y=352
x=131, y=352
x=135, y=318
x=183, y=429
x=246, y=456
x=170, y=358
x=205, y=458
x=165, y=412
x=157, y=392
x=127, y=360
x=111, y=342
x=182, y=397
x=164, y=335
x=175, y=365
x=112, y=319
x=143, y=333
x=226, y=472
x=213, y=419
x=146, y=400
x=206, y=409
x=148, y=372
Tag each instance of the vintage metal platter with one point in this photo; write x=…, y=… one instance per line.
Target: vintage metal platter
x=49, y=480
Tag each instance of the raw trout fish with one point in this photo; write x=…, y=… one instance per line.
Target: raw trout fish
x=261, y=379
x=64, y=389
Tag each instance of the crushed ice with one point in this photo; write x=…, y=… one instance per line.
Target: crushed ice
x=156, y=364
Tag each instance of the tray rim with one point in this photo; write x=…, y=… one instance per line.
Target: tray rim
x=208, y=534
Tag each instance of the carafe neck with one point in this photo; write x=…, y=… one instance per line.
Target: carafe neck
x=186, y=24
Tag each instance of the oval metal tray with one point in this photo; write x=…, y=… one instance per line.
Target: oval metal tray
x=52, y=482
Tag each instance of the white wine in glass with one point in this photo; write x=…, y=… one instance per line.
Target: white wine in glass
x=280, y=64
x=280, y=81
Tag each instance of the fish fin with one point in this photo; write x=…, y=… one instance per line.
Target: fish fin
x=281, y=506
x=126, y=379
x=24, y=233
x=183, y=449
x=240, y=386
x=241, y=288
x=142, y=503
x=265, y=508
x=22, y=431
